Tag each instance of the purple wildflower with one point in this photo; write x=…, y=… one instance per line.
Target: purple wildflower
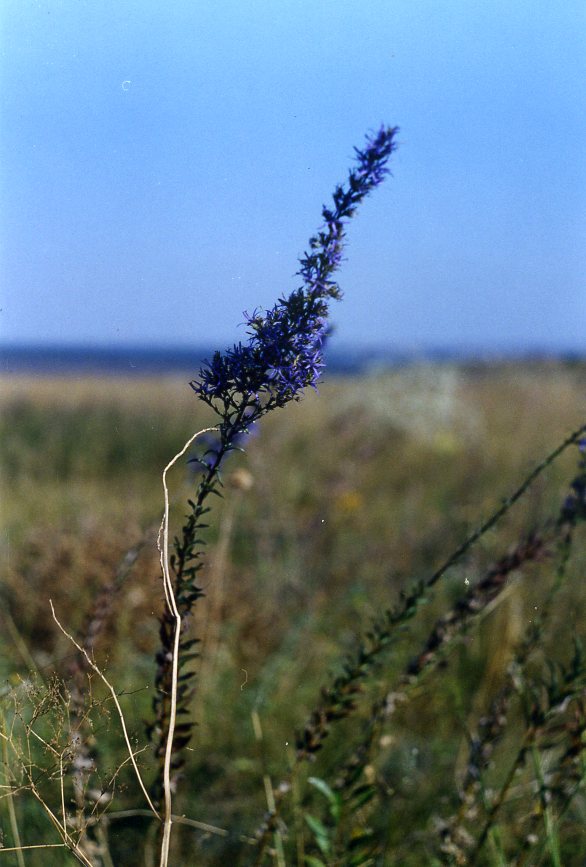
x=284, y=353
x=282, y=356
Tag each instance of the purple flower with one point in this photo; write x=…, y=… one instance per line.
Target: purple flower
x=284, y=352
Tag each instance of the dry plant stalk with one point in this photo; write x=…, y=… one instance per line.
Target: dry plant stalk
x=26, y=764
x=172, y=605
x=11, y=810
x=107, y=683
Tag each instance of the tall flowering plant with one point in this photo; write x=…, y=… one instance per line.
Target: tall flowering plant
x=282, y=356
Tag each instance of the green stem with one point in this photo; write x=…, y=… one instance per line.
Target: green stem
x=550, y=833
x=507, y=503
x=500, y=799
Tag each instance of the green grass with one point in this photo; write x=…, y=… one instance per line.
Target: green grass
x=358, y=491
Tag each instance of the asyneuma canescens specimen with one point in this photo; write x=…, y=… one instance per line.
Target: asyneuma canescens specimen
x=283, y=355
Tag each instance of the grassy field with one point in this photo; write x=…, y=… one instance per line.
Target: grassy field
x=339, y=503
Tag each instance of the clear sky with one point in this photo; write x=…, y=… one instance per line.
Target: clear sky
x=163, y=165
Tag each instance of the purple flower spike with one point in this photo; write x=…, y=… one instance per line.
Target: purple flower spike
x=284, y=353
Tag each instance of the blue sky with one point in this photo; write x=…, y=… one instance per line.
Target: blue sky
x=163, y=165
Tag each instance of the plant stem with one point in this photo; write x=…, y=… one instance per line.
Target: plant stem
x=172, y=605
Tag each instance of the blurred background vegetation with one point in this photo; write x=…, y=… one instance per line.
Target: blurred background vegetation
x=339, y=502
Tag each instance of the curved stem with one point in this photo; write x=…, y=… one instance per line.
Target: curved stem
x=172, y=605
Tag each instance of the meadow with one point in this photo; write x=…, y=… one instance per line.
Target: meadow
x=448, y=730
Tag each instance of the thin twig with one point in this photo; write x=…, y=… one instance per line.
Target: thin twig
x=172, y=605
x=32, y=846
x=116, y=702
x=180, y=820
x=61, y=777
x=67, y=839
x=11, y=810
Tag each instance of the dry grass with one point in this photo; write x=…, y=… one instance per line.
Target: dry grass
x=356, y=491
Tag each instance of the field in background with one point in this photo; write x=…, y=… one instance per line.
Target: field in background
x=355, y=492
